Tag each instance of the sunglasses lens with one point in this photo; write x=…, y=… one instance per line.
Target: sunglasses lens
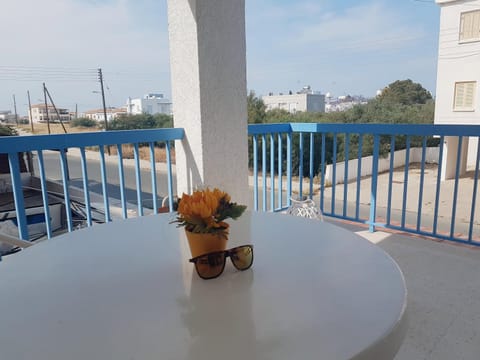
x=242, y=257
x=210, y=266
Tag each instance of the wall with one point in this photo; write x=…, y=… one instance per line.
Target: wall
x=383, y=164
x=456, y=62
x=296, y=102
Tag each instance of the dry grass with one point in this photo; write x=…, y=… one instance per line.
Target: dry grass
x=160, y=153
x=55, y=128
x=127, y=149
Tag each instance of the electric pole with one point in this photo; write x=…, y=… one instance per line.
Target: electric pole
x=46, y=107
x=15, y=108
x=56, y=110
x=100, y=78
x=30, y=110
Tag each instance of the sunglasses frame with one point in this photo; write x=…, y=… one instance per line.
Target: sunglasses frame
x=227, y=253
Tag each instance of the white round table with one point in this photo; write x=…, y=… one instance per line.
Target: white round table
x=126, y=290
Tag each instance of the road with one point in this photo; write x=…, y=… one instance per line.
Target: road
x=52, y=168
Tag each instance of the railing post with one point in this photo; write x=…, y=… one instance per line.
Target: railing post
x=169, y=174
x=264, y=172
x=255, y=173
x=272, y=172
x=300, y=165
x=66, y=191
x=289, y=168
x=18, y=195
x=373, y=195
x=280, y=170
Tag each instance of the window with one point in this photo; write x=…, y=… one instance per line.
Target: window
x=470, y=26
x=464, y=96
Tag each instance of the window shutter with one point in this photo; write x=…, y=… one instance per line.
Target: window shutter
x=459, y=95
x=464, y=96
x=476, y=24
x=467, y=28
x=469, y=94
x=462, y=26
x=470, y=25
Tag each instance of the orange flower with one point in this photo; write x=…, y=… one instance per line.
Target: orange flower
x=205, y=210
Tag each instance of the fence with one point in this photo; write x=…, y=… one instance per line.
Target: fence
x=417, y=198
x=15, y=146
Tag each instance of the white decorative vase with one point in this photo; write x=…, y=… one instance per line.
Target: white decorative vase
x=304, y=208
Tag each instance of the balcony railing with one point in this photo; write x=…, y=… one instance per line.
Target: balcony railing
x=381, y=175
x=39, y=145
x=354, y=173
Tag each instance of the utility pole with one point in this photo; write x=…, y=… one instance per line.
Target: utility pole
x=46, y=107
x=100, y=78
x=56, y=110
x=76, y=111
x=15, y=108
x=30, y=110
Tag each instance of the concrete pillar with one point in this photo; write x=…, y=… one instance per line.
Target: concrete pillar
x=209, y=91
x=472, y=152
x=450, y=151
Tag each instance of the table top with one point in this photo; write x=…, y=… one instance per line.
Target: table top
x=125, y=290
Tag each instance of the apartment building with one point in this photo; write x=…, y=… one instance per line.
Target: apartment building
x=39, y=114
x=98, y=114
x=304, y=100
x=149, y=104
x=458, y=76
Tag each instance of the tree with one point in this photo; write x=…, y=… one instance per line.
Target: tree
x=256, y=109
x=405, y=92
x=141, y=121
x=83, y=122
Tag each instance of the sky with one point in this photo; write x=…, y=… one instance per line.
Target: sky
x=343, y=47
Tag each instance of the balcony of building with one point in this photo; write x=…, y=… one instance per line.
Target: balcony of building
x=387, y=183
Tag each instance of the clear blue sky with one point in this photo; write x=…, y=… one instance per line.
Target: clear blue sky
x=341, y=47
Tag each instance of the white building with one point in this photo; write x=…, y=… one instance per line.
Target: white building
x=458, y=76
x=305, y=100
x=149, y=104
x=39, y=114
x=98, y=114
x=7, y=116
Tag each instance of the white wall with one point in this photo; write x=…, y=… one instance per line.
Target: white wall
x=295, y=102
x=150, y=106
x=399, y=158
x=456, y=62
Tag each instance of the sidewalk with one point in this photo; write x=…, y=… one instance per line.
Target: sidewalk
x=443, y=294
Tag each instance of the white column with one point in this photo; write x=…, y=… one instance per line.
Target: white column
x=450, y=153
x=208, y=71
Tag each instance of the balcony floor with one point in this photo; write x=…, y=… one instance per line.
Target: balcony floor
x=443, y=286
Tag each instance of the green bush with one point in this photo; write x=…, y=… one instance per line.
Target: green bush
x=7, y=131
x=83, y=122
x=142, y=121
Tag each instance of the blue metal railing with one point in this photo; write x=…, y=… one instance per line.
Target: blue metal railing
x=374, y=188
x=39, y=144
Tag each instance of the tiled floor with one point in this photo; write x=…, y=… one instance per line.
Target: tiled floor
x=443, y=283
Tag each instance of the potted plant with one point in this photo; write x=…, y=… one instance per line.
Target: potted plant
x=203, y=215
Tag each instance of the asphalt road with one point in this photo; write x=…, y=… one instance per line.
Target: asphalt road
x=52, y=169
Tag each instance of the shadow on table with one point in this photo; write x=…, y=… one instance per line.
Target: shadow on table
x=224, y=326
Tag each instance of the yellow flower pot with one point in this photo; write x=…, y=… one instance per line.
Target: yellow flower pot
x=205, y=243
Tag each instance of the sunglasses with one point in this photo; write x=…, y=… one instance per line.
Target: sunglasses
x=211, y=265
